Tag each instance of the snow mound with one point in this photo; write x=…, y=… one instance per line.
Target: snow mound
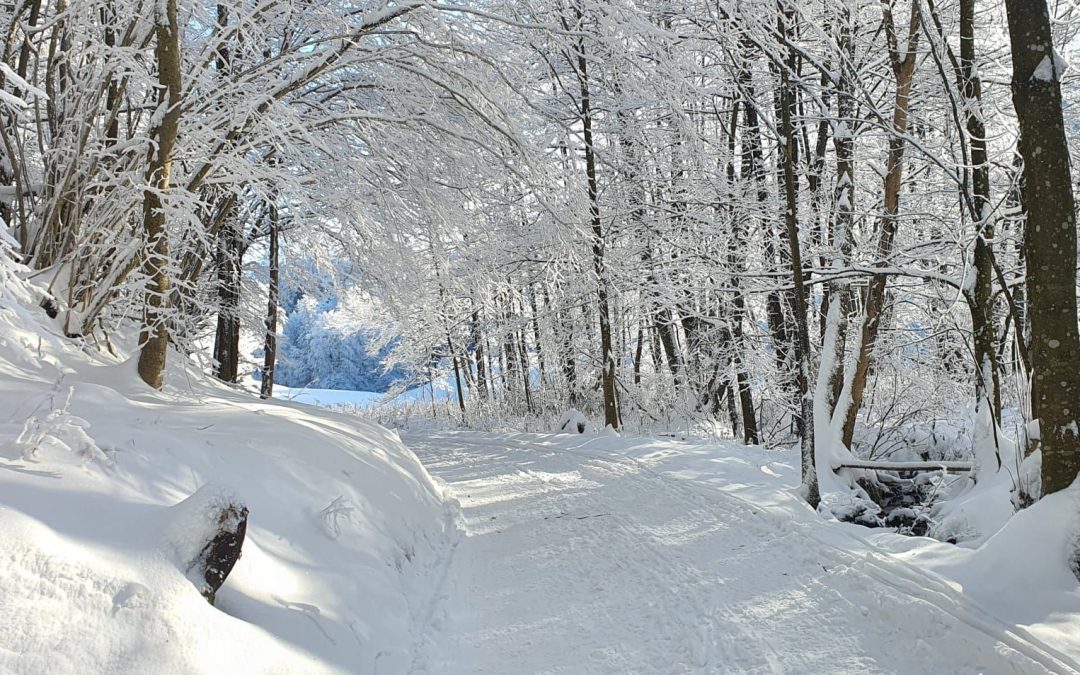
x=574, y=421
x=346, y=532
x=982, y=502
x=1025, y=573
x=72, y=608
x=1027, y=569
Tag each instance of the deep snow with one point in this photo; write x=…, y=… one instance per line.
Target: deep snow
x=346, y=532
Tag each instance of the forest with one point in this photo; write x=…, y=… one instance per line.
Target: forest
x=789, y=220
x=843, y=225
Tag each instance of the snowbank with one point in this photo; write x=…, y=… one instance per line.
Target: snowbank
x=346, y=531
x=1023, y=573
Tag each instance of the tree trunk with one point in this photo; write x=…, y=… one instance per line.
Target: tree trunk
x=154, y=336
x=478, y=351
x=753, y=169
x=1049, y=241
x=457, y=375
x=607, y=357
x=738, y=301
x=227, y=335
x=798, y=298
x=903, y=67
x=639, y=349
x=230, y=252
x=523, y=358
x=840, y=239
x=266, y=387
x=987, y=380
x=536, y=336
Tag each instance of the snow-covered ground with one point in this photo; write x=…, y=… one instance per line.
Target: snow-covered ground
x=604, y=555
x=345, y=539
x=326, y=398
x=343, y=398
x=527, y=554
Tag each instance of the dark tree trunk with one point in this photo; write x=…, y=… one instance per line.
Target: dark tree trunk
x=840, y=237
x=523, y=359
x=638, y=351
x=227, y=336
x=478, y=352
x=987, y=380
x=753, y=169
x=536, y=336
x=1049, y=241
x=607, y=356
x=266, y=388
x=791, y=219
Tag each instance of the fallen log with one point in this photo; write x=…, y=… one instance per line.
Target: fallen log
x=870, y=465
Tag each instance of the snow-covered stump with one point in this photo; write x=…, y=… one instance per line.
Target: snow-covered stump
x=206, y=535
x=573, y=422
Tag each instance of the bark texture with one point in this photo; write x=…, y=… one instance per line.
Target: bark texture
x=1049, y=241
x=155, y=335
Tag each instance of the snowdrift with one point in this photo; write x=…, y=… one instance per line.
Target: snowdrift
x=344, y=541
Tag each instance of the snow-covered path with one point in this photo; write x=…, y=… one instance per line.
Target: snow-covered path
x=577, y=559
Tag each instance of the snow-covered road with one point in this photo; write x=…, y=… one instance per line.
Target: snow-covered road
x=587, y=558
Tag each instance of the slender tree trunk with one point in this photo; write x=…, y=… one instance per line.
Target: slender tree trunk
x=753, y=169
x=1049, y=241
x=607, y=357
x=791, y=219
x=523, y=351
x=639, y=349
x=840, y=239
x=457, y=374
x=8, y=173
x=478, y=347
x=266, y=388
x=154, y=338
x=536, y=337
x=227, y=335
x=230, y=252
x=903, y=66
x=987, y=380
x=569, y=368
x=738, y=301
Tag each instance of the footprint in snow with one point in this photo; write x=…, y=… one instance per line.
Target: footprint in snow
x=131, y=596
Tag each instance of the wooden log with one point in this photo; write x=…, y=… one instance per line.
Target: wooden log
x=869, y=465
x=220, y=554
x=205, y=535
